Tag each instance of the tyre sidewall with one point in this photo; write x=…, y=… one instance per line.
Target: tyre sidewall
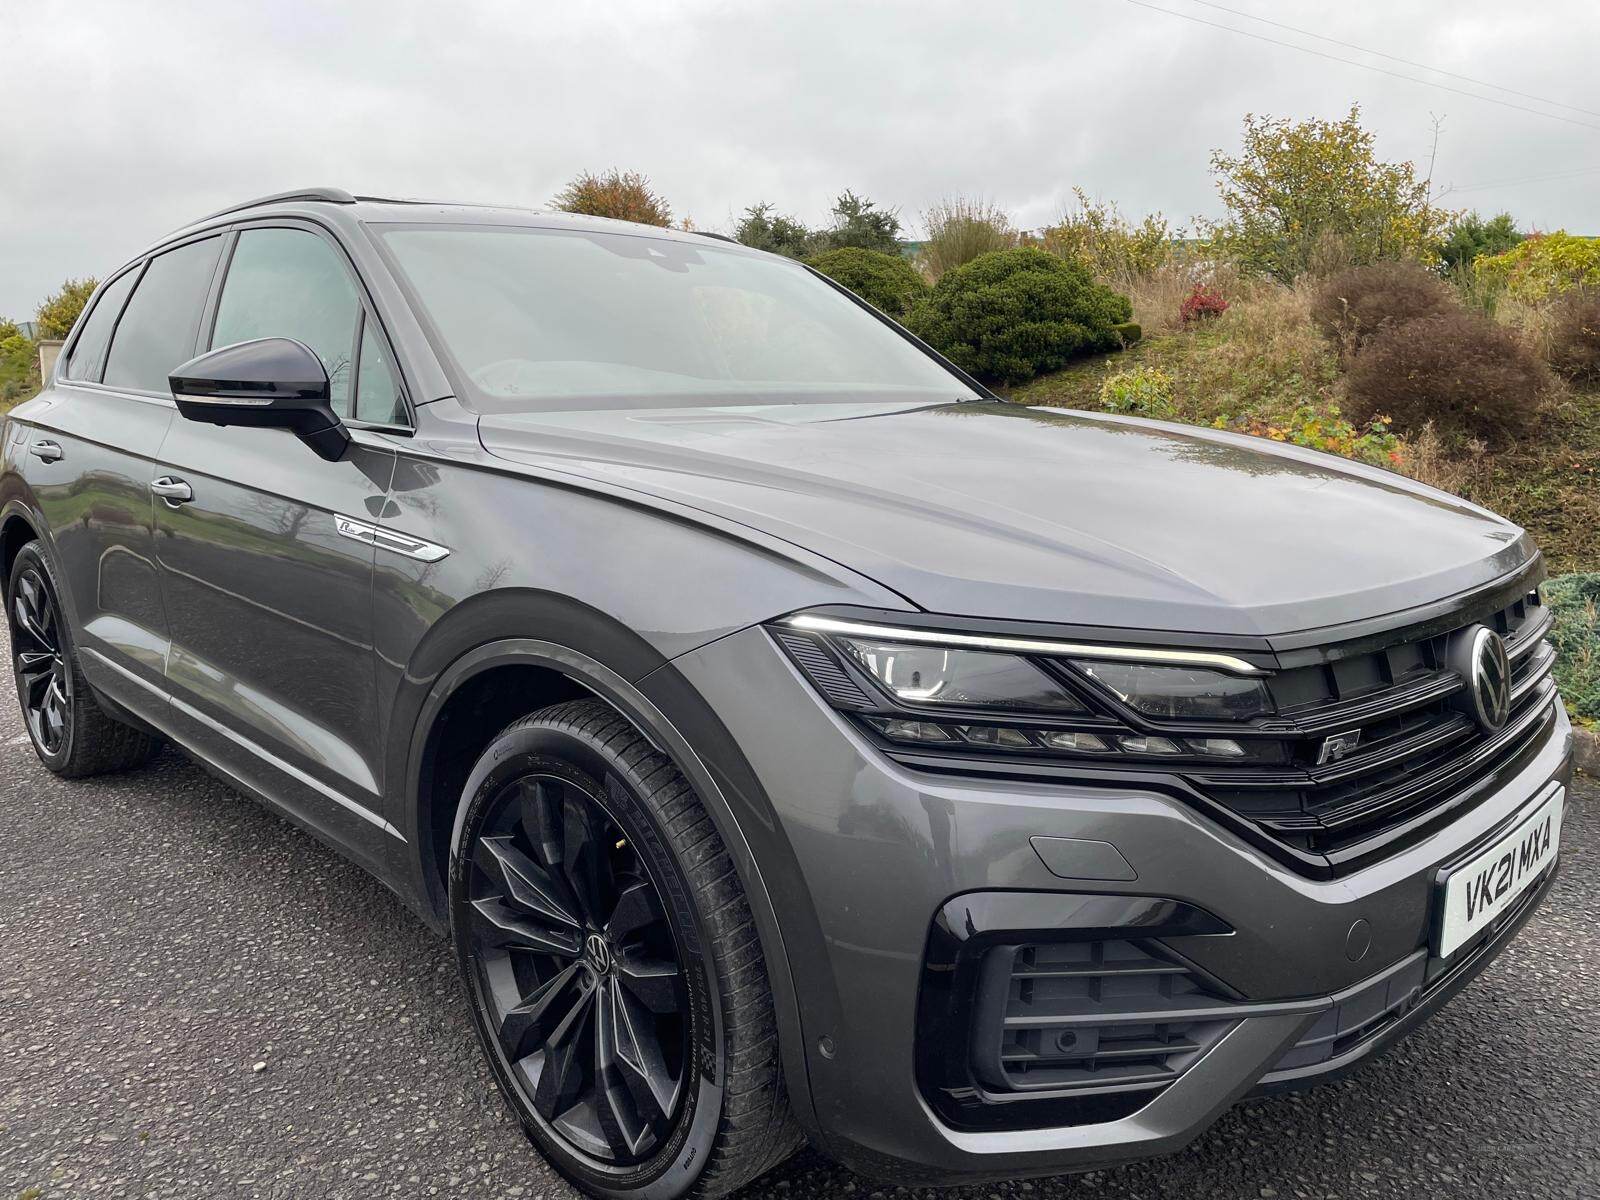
x=553, y=750
x=32, y=556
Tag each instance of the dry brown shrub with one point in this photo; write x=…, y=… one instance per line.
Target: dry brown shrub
x=1458, y=469
x=959, y=230
x=1355, y=305
x=624, y=195
x=1572, y=336
x=1462, y=374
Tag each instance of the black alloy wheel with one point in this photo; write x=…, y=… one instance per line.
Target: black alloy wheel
x=39, y=658
x=577, y=968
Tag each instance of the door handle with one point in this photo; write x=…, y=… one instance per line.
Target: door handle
x=47, y=450
x=173, y=490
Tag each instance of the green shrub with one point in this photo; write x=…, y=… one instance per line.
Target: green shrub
x=624, y=195
x=1574, y=601
x=1572, y=336
x=1323, y=427
x=1357, y=304
x=760, y=229
x=1462, y=373
x=1011, y=314
x=1470, y=237
x=1128, y=332
x=960, y=230
x=1142, y=392
x=1096, y=234
x=886, y=281
x=1542, y=264
x=19, y=363
x=859, y=223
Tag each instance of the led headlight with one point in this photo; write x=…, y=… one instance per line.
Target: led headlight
x=1181, y=693
x=925, y=687
x=959, y=678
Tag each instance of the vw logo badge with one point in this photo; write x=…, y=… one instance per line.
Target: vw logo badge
x=1479, y=656
x=599, y=953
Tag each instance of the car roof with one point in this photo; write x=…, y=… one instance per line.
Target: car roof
x=339, y=205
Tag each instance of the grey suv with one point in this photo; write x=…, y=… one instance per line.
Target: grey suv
x=796, y=739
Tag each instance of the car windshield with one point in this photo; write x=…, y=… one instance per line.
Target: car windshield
x=556, y=318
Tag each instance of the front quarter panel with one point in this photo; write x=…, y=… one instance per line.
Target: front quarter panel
x=624, y=583
x=605, y=587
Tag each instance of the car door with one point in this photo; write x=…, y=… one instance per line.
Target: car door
x=91, y=456
x=268, y=593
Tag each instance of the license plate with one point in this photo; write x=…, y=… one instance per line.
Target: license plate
x=1477, y=891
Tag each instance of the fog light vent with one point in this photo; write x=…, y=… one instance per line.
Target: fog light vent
x=1109, y=1016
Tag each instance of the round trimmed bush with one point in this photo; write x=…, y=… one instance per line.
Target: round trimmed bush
x=1460, y=372
x=1356, y=305
x=1011, y=314
x=888, y=282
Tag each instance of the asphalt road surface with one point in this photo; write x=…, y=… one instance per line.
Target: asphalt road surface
x=197, y=1000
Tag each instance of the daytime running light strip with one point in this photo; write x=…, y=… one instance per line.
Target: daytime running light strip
x=1191, y=658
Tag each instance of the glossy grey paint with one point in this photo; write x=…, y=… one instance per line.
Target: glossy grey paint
x=637, y=554
x=998, y=510
x=878, y=848
x=95, y=499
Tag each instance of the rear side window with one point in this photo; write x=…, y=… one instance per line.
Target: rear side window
x=291, y=283
x=158, y=328
x=89, y=351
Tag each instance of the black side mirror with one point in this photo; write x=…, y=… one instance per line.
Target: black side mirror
x=276, y=383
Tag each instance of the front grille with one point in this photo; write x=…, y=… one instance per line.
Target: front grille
x=1091, y=1018
x=1419, y=757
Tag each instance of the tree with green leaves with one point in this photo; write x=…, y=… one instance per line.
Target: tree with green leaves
x=858, y=222
x=1471, y=236
x=1312, y=196
x=60, y=312
x=762, y=229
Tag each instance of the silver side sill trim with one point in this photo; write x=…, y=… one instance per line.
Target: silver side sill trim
x=388, y=539
x=366, y=814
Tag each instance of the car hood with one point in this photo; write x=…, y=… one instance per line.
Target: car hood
x=998, y=510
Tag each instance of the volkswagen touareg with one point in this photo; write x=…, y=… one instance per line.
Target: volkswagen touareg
x=796, y=739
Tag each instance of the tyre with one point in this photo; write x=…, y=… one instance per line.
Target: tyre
x=71, y=733
x=612, y=966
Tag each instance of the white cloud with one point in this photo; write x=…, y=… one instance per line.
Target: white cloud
x=127, y=120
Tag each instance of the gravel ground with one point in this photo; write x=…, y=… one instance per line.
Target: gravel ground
x=198, y=1000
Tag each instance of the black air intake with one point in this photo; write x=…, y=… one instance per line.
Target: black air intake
x=1103, y=1017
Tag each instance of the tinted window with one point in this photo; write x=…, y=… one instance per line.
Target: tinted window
x=291, y=283
x=538, y=317
x=377, y=392
x=158, y=328
x=89, y=351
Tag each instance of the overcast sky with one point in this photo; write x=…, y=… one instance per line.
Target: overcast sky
x=124, y=120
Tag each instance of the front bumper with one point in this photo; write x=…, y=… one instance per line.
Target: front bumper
x=860, y=855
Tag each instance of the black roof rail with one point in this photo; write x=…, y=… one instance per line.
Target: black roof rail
x=326, y=194
x=721, y=237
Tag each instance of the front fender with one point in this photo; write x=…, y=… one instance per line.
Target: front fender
x=680, y=725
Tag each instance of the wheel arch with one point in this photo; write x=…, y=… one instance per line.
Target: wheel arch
x=17, y=528
x=479, y=664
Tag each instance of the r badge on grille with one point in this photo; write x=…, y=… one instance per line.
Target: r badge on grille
x=1338, y=746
